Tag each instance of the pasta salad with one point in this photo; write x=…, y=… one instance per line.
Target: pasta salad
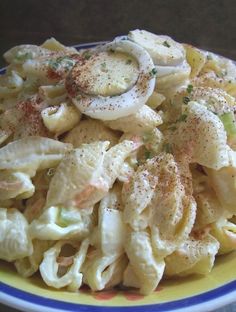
x=117, y=163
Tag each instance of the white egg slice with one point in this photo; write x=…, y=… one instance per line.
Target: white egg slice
x=163, y=49
x=113, y=82
x=163, y=71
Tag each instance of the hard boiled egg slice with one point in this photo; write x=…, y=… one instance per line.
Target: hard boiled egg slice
x=113, y=82
x=163, y=49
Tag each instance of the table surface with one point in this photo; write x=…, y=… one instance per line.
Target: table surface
x=208, y=24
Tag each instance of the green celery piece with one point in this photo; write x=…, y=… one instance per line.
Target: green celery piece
x=229, y=123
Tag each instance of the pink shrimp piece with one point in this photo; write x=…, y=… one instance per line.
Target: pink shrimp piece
x=10, y=186
x=137, y=141
x=65, y=261
x=32, y=211
x=84, y=195
x=200, y=234
x=81, y=198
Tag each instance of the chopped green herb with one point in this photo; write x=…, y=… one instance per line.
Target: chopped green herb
x=153, y=72
x=182, y=118
x=209, y=57
x=53, y=64
x=166, y=44
x=224, y=72
x=128, y=62
x=67, y=217
x=147, y=154
x=186, y=99
x=87, y=55
x=189, y=88
x=63, y=61
x=112, y=50
x=103, y=65
x=172, y=128
x=147, y=137
x=21, y=57
x=167, y=148
x=78, y=97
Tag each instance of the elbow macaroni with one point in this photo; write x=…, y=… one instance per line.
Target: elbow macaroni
x=60, y=119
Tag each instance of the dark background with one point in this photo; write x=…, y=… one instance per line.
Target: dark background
x=206, y=23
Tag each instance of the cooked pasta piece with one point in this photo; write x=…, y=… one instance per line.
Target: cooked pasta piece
x=88, y=173
x=155, y=197
x=193, y=256
x=225, y=232
x=15, y=185
x=153, y=142
x=10, y=84
x=52, y=262
x=62, y=118
x=115, y=157
x=196, y=59
x=31, y=154
x=105, y=266
x=27, y=266
x=15, y=242
x=54, y=45
x=78, y=177
x=89, y=131
x=147, y=266
x=60, y=223
x=130, y=278
x=50, y=69
x=214, y=99
x=155, y=100
x=144, y=120
x=174, y=210
x=109, y=235
x=205, y=139
x=19, y=54
x=137, y=196
x=103, y=271
x=209, y=209
x=223, y=182
x=23, y=118
x=213, y=80
x=224, y=68
x=53, y=94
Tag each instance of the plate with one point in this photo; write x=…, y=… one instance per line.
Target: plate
x=194, y=293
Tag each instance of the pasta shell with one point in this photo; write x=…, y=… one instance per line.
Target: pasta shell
x=15, y=242
x=31, y=154
x=146, y=265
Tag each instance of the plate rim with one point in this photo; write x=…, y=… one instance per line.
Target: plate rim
x=16, y=298
x=212, y=299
